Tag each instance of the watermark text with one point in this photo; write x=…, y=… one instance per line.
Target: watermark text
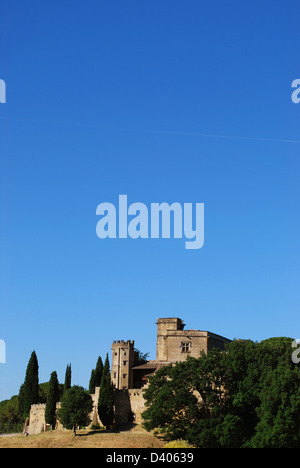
x=2, y=352
x=296, y=353
x=296, y=93
x=2, y=92
x=160, y=221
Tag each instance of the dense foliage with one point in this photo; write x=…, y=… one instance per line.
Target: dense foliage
x=11, y=411
x=106, y=397
x=10, y=418
x=248, y=396
x=53, y=398
x=29, y=392
x=14, y=412
x=68, y=378
x=96, y=376
x=76, y=407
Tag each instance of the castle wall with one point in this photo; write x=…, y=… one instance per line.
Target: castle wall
x=129, y=406
x=36, y=419
x=95, y=420
x=37, y=422
x=137, y=403
x=174, y=343
x=177, y=345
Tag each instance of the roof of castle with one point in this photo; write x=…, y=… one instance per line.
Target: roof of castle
x=151, y=365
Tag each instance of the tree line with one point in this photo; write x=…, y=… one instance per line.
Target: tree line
x=76, y=403
x=245, y=397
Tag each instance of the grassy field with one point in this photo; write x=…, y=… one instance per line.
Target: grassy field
x=136, y=438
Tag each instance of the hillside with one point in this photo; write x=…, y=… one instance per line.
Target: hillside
x=136, y=438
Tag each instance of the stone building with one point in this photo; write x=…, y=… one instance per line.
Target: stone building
x=130, y=374
x=173, y=344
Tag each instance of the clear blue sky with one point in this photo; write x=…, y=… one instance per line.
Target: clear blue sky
x=169, y=100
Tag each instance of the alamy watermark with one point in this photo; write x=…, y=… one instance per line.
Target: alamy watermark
x=2, y=352
x=136, y=221
x=2, y=92
x=296, y=353
x=296, y=93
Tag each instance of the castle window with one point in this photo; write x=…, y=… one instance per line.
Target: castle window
x=115, y=375
x=124, y=363
x=186, y=347
x=124, y=376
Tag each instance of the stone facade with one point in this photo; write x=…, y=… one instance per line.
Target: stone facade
x=130, y=375
x=129, y=405
x=174, y=344
x=123, y=359
x=36, y=420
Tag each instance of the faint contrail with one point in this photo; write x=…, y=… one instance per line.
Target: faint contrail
x=161, y=132
x=230, y=137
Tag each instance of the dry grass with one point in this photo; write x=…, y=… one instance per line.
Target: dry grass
x=136, y=438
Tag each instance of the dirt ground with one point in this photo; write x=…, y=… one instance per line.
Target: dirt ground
x=136, y=438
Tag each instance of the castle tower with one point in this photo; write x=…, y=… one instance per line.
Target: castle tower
x=123, y=358
x=164, y=327
x=175, y=344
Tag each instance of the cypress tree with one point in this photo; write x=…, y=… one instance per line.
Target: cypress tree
x=21, y=401
x=98, y=372
x=52, y=399
x=30, y=390
x=68, y=378
x=96, y=376
x=106, y=397
x=92, y=383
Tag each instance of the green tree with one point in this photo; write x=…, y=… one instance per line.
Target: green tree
x=76, y=407
x=68, y=378
x=98, y=372
x=10, y=420
x=180, y=397
x=279, y=393
x=44, y=391
x=29, y=392
x=106, y=397
x=141, y=356
x=52, y=399
x=96, y=376
x=92, y=384
x=247, y=396
x=21, y=402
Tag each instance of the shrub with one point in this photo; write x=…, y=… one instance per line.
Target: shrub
x=178, y=444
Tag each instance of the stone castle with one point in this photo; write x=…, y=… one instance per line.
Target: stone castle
x=130, y=374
